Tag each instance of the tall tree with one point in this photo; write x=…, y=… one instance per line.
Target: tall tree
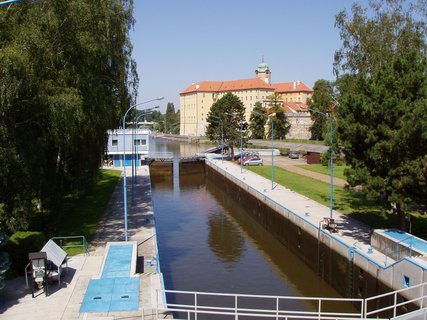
x=66, y=76
x=230, y=111
x=169, y=116
x=383, y=102
x=279, y=118
x=257, y=122
x=322, y=100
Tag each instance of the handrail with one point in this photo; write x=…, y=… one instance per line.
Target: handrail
x=228, y=308
x=420, y=298
x=83, y=244
x=281, y=315
x=402, y=241
x=26, y=274
x=231, y=307
x=160, y=155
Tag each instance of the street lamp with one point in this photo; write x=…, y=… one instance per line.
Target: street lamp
x=134, y=147
x=241, y=139
x=8, y=2
x=222, y=136
x=272, y=146
x=124, y=162
x=331, y=157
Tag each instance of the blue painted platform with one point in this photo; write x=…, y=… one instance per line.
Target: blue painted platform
x=116, y=290
x=408, y=239
x=111, y=294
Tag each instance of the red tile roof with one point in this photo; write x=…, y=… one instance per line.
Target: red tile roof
x=294, y=86
x=293, y=107
x=226, y=86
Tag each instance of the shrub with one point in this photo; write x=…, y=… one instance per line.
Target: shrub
x=19, y=245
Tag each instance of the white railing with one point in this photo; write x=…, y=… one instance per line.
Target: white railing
x=415, y=295
x=244, y=306
x=160, y=155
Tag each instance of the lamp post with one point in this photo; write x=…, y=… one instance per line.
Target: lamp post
x=134, y=147
x=222, y=136
x=241, y=139
x=8, y=2
x=272, y=146
x=331, y=158
x=124, y=163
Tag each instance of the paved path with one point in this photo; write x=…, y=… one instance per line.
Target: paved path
x=64, y=303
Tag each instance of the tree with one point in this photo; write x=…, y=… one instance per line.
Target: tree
x=322, y=100
x=231, y=111
x=169, y=122
x=169, y=117
x=66, y=76
x=257, y=122
x=4, y=260
x=279, y=118
x=382, y=115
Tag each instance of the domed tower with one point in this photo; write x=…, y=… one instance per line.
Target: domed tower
x=263, y=72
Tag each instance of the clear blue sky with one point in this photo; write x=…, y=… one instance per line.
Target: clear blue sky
x=178, y=42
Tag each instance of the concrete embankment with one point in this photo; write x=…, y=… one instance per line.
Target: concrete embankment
x=345, y=259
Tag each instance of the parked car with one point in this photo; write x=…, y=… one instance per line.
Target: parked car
x=253, y=161
x=293, y=155
x=242, y=155
x=247, y=156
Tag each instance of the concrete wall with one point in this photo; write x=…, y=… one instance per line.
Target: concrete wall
x=161, y=168
x=350, y=271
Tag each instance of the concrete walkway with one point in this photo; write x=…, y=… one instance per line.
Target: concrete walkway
x=64, y=302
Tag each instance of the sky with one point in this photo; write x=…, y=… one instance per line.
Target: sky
x=179, y=42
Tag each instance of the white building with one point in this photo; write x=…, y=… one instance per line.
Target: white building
x=133, y=143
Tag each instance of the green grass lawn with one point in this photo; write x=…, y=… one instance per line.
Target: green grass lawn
x=346, y=201
x=338, y=170
x=82, y=213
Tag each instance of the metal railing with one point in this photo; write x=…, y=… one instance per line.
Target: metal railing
x=160, y=155
x=411, y=296
x=69, y=242
x=244, y=306
x=223, y=305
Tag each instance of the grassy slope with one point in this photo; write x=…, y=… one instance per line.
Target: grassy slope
x=82, y=214
x=338, y=170
x=345, y=201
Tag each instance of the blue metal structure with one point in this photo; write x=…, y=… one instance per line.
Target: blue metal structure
x=124, y=166
x=272, y=146
x=8, y=2
x=331, y=158
x=241, y=139
x=222, y=136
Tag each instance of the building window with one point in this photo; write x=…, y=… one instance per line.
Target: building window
x=114, y=142
x=140, y=142
x=406, y=281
